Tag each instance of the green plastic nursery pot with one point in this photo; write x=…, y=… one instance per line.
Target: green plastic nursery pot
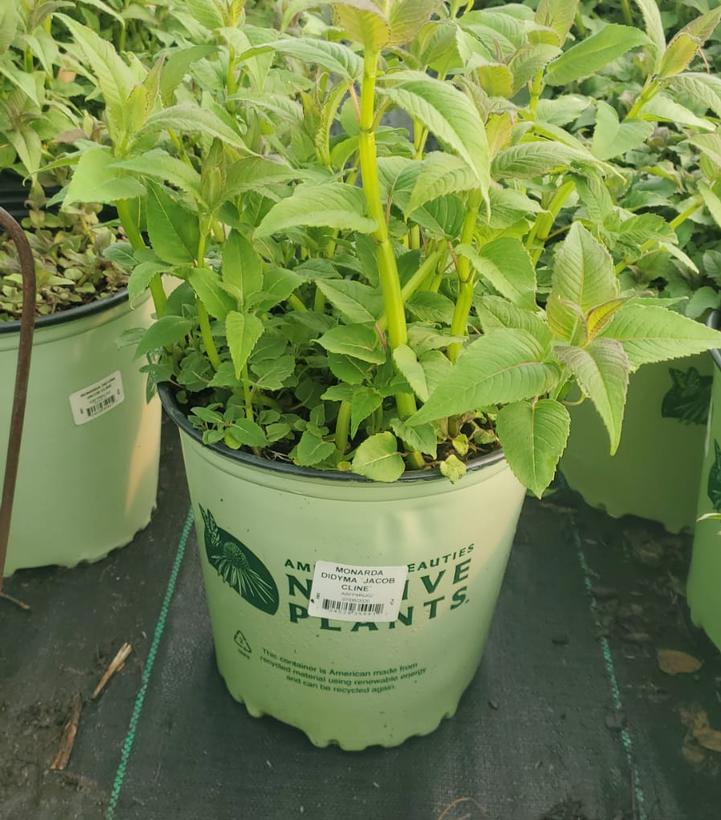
x=654, y=473
x=88, y=472
x=704, y=583
x=278, y=543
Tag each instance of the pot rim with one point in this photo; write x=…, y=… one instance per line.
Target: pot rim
x=714, y=321
x=71, y=314
x=174, y=412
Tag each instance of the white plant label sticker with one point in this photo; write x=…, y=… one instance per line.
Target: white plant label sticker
x=345, y=592
x=96, y=399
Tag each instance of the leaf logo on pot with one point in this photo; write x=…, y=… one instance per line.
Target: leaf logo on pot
x=689, y=397
x=239, y=567
x=713, y=487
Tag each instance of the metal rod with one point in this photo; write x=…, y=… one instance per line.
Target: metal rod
x=22, y=375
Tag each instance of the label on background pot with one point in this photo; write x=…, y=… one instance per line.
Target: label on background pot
x=96, y=399
x=349, y=593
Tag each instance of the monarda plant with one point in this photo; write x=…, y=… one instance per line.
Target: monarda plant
x=361, y=206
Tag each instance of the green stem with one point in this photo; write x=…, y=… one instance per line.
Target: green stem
x=342, y=426
x=203, y=317
x=132, y=231
x=296, y=303
x=627, y=14
x=247, y=394
x=464, y=301
x=387, y=265
x=677, y=221
x=544, y=221
x=536, y=91
x=415, y=282
x=207, y=335
x=649, y=90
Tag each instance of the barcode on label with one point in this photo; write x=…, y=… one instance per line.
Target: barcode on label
x=352, y=608
x=96, y=399
x=94, y=409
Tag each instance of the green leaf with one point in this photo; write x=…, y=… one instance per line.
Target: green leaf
x=278, y=284
x=358, y=341
x=495, y=312
x=654, y=334
x=248, y=433
x=558, y=15
x=173, y=229
x=507, y=266
x=612, y=138
x=336, y=57
x=206, y=13
x=601, y=370
x=162, y=333
x=440, y=174
x=95, y=180
x=712, y=202
x=533, y=436
x=378, y=458
x=142, y=276
x=448, y=114
x=533, y=159
x=332, y=205
x=160, y=165
x=421, y=438
x=583, y=270
x=364, y=22
x=654, y=27
x=407, y=18
x=8, y=25
x=192, y=119
x=242, y=331
x=252, y=173
x=311, y=449
x=412, y=371
x=206, y=284
x=272, y=373
x=357, y=302
x=364, y=401
x=176, y=67
x=453, y=468
x=687, y=42
x=704, y=90
x=594, y=53
x=242, y=268
x=503, y=366
x=114, y=78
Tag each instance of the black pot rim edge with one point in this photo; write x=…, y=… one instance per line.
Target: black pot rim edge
x=71, y=314
x=714, y=321
x=174, y=412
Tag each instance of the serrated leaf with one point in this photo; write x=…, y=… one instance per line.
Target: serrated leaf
x=188, y=118
x=176, y=67
x=407, y=18
x=242, y=331
x=205, y=12
x=348, y=369
x=686, y=43
x=206, y=285
x=331, y=205
x=160, y=165
x=654, y=27
x=448, y=114
x=242, y=268
x=311, y=449
x=421, y=438
x=594, y=53
x=141, y=277
x=412, y=371
x=583, y=271
x=533, y=436
x=612, y=138
x=495, y=312
x=172, y=228
x=503, y=366
x=507, y=266
x=248, y=433
x=363, y=21
x=378, y=458
x=601, y=370
x=359, y=341
x=440, y=174
x=336, y=57
x=654, y=334
x=357, y=302
x=533, y=159
x=163, y=332
x=712, y=202
x=95, y=180
x=364, y=401
x=703, y=89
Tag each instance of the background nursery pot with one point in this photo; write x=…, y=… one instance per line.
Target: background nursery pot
x=89, y=459
x=655, y=471
x=261, y=528
x=704, y=580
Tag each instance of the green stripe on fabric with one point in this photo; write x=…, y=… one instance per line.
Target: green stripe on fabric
x=626, y=739
x=148, y=670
